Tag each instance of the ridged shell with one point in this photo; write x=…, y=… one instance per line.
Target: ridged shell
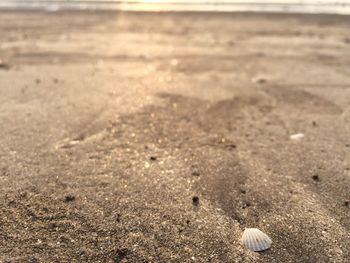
x=256, y=240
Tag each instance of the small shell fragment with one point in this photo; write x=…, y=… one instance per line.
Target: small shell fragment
x=256, y=240
x=297, y=136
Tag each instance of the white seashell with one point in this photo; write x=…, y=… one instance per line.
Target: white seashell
x=256, y=240
x=297, y=136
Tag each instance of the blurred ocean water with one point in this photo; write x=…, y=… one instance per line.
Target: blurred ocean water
x=289, y=6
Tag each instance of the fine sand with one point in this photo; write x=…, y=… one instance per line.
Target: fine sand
x=134, y=137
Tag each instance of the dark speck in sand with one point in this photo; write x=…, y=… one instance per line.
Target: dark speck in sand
x=195, y=200
x=153, y=158
x=314, y=123
x=347, y=145
x=188, y=222
x=118, y=218
x=4, y=65
x=120, y=254
x=247, y=204
x=69, y=198
x=242, y=191
x=37, y=81
x=347, y=203
x=231, y=146
x=316, y=178
x=195, y=173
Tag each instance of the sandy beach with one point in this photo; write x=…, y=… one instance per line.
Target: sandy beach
x=145, y=137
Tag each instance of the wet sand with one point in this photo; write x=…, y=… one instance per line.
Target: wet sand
x=133, y=137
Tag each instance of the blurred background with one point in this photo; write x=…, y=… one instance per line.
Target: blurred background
x=304, y=6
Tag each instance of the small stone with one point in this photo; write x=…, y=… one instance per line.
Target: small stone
x=195, y=200
x=247, y=204
x=118, y=218
x=195, y=173
x=316, y=178
x=242, y=191
x=69, y=198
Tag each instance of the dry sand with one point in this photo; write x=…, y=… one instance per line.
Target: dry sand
x=113, y=123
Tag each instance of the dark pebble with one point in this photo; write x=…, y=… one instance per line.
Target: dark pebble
x=195, y=200
x=195, y=173
x=118, y=218
x=316, y=178
x=153, y=158
x=242, y=191
x=232, y=146
x=347, y=203
x=69, y=198
x=247, y=204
